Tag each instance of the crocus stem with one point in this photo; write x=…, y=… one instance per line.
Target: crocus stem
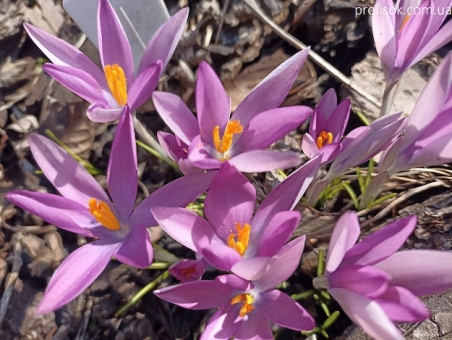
x=159, y=265
x=143, y=291
x=388, y=99
x=304, y=295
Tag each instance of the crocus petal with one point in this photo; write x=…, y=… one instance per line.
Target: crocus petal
x=401, y=305
x=367, y=314
x=338, y=119
x=309, y=146
x=136, y=249
x=381, y=244
x=442, y=37
x=78, y=81
x=230, y=200
x=64, y=213
x=254, y=327
x=345, y=235
x=71, y=179
x=267, y=127
x=194, y=295
x=220, y=256
x=322, y=111
x=164, y=41
x=75, y=274
x=212, y=103
x=265, y=160
x=280, y=309
x=172, y=145
x=200, y=157
x=176, y=115
x=423, y=272
x=223, y=324
x=143, y=85
x=278, y=232
x=187, y=270
x=251, y=268
x=122, y=174
x=271, y=91
x=99, y=114
x=178, y=193
x=282, y=265
x=224, y=283
x=63, y=54
x=114, y=47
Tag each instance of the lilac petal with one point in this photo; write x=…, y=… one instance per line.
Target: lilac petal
x=324, y=109
x=271, y=91
x=200, y=157
x=220, y=255
x=250, y=268
x=172, y=145
x=223, y=324
x=212, y=103
x=178, y=193
x=280, y=309
x=265, y=160
x=78, y=81
x=122, y=174
x=164, y=41
x=345, y=235
x=181, y=270
x=63, y=54
x=143, y=85
x=284, y=197
x=224, y=283
x=442, y=37
x=278, y=232
x=282, y=265
x=176, y=115
x=337, y=121
x=194, y=295
x=99, y=114
x=254, y=327
x=136, y=249
x=267, y=127
x=309, y=146
x=184, y=226
x=423, y=272
x=367, y=314
x=71, y=179
x=114, y=47
x=64, y=213
x=230, y=200
x=75, y=274
x=401, y=305
x=381, y=244
x=368, y=281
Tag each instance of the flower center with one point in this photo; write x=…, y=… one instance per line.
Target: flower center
x=223, y=145
x=323, y=139
x=117, y=83
x=103, y=214
x=404, y=22
x=247, y=306
x=239, y=240
x=188, y=272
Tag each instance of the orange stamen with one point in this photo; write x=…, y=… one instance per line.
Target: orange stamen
x=247, y=306
x=188, y=272
x=103, y=214
x=224, y=144
x=239, y=241
x=404, y=22
x=117, y=83
x=323, y=139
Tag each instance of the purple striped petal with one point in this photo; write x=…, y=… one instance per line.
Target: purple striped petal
x=143, y=85
x=176, y=115
x=136, y=249
x=442, y=37
x=271, y=91
x=255, y=326
x=99, y=114
x=265, y=160
x=75, y=274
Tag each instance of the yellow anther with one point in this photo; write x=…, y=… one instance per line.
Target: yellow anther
x=224, y=144
x=188, y=272
x=247, y=306
x=117, y=83
x=103, y=214
x=239, y=241
x=323, y=139
x=404, y=22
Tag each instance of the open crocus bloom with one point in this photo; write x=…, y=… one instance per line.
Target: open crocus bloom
x=376, y=285
x=407, y=32
x=231, y=238
x=245, y=307
x=426, y=140
x=240, y=139
x=86, y=209
x=110, y=89
x=326, y=128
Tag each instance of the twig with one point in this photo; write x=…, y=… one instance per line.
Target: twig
x=132, y=27
x=313, y=55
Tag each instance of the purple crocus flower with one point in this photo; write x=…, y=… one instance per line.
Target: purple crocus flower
x=187, y=270
x=326, y=128
x=426, y=140
x=216, y=136
x=86, y=209
x=110, y=89
x=376, y=285
x=245, y=307
x=231, y=238
x=407, y=32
